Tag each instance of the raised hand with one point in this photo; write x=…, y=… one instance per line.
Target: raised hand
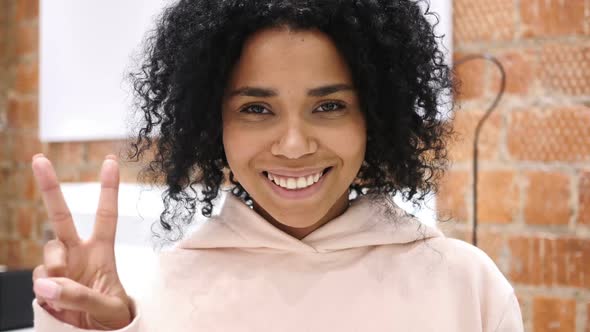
x=78, y=281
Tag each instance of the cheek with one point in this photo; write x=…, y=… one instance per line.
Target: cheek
x=349, y=143
x=241, y=146
x=231, y=145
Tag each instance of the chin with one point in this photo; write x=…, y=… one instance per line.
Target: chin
x=300, y=221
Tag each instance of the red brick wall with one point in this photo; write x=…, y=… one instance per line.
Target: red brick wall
x=534, y=180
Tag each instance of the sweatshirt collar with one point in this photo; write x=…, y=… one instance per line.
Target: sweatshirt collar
x=368, y=221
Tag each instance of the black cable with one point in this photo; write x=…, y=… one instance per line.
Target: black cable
x=479, y=126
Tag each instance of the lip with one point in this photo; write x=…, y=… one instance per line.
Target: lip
x=297, y=193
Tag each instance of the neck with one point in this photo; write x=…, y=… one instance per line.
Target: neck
x=300, y=232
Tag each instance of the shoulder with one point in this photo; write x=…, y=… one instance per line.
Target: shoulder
x=475, y=275
x=468, y=263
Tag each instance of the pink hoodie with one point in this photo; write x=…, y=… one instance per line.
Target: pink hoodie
x=374, y=268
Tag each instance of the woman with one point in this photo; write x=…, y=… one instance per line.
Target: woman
x=313, y=113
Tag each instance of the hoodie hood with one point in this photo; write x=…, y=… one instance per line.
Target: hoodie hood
x=368, y=221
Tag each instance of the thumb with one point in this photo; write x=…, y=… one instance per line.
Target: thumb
x=70, y=295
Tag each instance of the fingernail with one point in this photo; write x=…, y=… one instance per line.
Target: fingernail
x=111, y=157
x=47, y=288
x=38, y=155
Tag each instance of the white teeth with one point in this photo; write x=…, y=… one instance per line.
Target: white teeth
x=295, y=183
x=291, y=183
x=301, y=182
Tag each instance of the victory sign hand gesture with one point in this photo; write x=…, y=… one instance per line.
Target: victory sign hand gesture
x=78, y=281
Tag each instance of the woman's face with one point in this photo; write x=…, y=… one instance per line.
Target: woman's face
x=293, y=132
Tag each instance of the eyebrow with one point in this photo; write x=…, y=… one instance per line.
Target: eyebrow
x=321, y=91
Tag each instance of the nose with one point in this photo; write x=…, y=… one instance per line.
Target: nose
x=294, y=141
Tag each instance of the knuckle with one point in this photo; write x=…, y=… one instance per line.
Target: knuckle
x=106, y=213
x=79, y=296
x=60, y=216
x=56, y=270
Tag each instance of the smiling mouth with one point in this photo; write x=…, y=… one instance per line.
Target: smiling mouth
x=296, y=183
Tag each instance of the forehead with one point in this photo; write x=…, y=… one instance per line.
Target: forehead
x=279, y=56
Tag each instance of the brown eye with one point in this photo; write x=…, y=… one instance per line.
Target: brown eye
x=330, y=107
x=255, y=109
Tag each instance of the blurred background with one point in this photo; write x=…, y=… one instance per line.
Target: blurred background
x=533, y=205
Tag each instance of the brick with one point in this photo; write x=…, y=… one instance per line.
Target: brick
x=5, y=178
x=32, y=254
x=547, y=198
x=5, y=146
x=521, y=66
x=519, y=257
x=27, y=10
x=69, y=154
x=565, y=69
x=525, y=303
x=27, y=77
x=464, y=123
x=8, y=190
x=494, y=243
x=27, y=39
x=27, y=144
x=548, y=18
x=22, y=113
x=498, y=197
x=451, y=199
x=554, y=314
x=25, y=219
x=450, y=229
x=13, y=253
x=29, y=189
x=549, y=261
x=4, y=33
x=90, y=174
x=557, y=134
x=576, y=271
x=127, y=173
x=470, y=76
x=130, y=174
x=67, y=174
x=97, y=150
x=3, y=248
x=6, y=221
x=476, y=21
x=584, y=198
x=4, y=53
x=21, y=185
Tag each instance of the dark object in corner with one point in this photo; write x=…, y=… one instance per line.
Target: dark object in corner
x=16, y=298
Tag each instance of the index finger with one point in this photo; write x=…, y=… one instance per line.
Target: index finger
x=57, y=209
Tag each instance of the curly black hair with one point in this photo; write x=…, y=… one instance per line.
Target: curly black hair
x=397, y=67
